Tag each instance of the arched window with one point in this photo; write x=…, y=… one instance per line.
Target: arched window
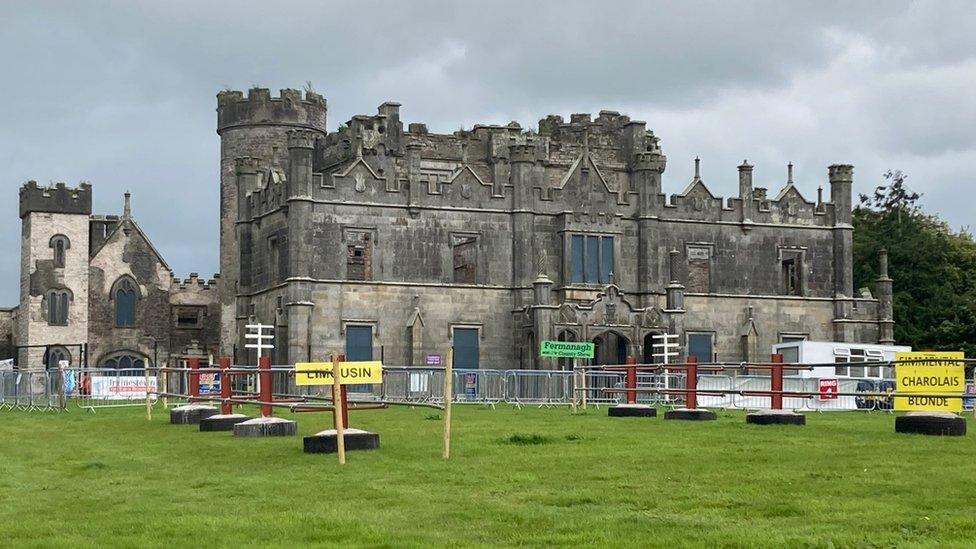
x=60, y=244
x=124, y=294
x=55, y=355
x=57, y=307
x=127, y=362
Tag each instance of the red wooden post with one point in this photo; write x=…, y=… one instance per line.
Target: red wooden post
x=225, y=406
x=264, y=367
x=193, y=381
x=776, y=382
x=691, y=383
x=631, y=380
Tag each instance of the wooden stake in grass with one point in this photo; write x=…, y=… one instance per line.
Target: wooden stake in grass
x=165, y=383
x=337, y=410
x=572, y=385
x=448, y=396
x=148, y=397
x=583, y=379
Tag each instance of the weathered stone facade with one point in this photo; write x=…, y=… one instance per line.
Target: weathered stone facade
x=95, y=260
x=516, y=236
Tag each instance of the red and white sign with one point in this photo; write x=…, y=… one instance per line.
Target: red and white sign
x=121, y=387
x=828, y=388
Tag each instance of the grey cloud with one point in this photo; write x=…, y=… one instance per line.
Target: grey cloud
x=122, y=93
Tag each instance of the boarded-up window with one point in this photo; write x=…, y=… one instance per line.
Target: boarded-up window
x=699, y=269
x=464, y=249
x=791, y=269
x=359, y=255
x=188, y=317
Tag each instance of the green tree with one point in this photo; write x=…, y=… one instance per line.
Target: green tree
x=933, y=267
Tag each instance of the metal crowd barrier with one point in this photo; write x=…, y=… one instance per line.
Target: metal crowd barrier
x=94, y=388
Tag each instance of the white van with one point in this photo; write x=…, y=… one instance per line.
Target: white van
x=840, y=360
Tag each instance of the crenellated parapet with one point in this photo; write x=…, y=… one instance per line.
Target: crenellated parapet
x=524, y=152
x=302, y=139
x=290, y=108
x=650, y=161
x=195, y=282
x=247, y=165
x=57, y=198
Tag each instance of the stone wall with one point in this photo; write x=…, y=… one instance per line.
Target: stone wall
x=39, y=276
x=128, y=254
x=191, y=298
x=371, y=218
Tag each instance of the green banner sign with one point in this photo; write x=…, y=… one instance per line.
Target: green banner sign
x=566, y=349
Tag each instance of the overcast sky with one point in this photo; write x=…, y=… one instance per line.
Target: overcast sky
x=122, y=94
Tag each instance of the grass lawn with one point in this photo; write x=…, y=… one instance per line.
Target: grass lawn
x=516, y=477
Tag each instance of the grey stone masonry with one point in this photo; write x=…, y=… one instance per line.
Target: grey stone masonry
x=561, y=232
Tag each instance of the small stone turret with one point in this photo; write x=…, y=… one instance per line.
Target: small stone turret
x=255, y=126
x=841, y=178
x=884, y=288
x=745, y=190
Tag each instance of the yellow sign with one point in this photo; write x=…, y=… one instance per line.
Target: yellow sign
x=930, y=377
x=320, y=373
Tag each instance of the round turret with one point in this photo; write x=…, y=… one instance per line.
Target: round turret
x=256, y=126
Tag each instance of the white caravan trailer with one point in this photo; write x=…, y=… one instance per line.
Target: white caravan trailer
x=843, y=358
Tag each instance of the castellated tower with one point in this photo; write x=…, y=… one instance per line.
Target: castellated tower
x=257, y=127
x=54, y=272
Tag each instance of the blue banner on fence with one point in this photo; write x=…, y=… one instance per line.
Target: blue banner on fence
x=210, y=384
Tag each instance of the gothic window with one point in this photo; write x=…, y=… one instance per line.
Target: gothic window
x=699, y=269
x=464, y=250
x=791, y=271
x=55, y=355
x=57, y=307
x=124, y=362
x=124, y=294
x=591, y=259
x=359, y=255
x=59, y=243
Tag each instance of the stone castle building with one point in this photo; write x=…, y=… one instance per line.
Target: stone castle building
x=388, y=241
x=94, y=291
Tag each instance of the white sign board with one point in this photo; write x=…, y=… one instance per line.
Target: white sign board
x=121, y=387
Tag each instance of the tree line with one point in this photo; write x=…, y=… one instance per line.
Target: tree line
x=933, y=267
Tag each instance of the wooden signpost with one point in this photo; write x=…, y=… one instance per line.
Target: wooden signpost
x=337, y=409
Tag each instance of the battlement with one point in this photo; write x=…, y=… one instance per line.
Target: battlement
x=195, y=282
x=58, y=198
x=259, y=108
x=841, y=172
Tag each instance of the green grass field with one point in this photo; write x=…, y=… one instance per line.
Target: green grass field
x=516, y=477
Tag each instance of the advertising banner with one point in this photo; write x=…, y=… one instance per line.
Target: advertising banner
x=121, y=387
x=320, y=373
x=929, y=377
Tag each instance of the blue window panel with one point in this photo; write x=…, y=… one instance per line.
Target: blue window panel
x=606, y=258
x=576, y=271
x=359, y=346
x=700, y=347
x=592, y=259
x=359, y=343
x=125, y=307
x=466, y=351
